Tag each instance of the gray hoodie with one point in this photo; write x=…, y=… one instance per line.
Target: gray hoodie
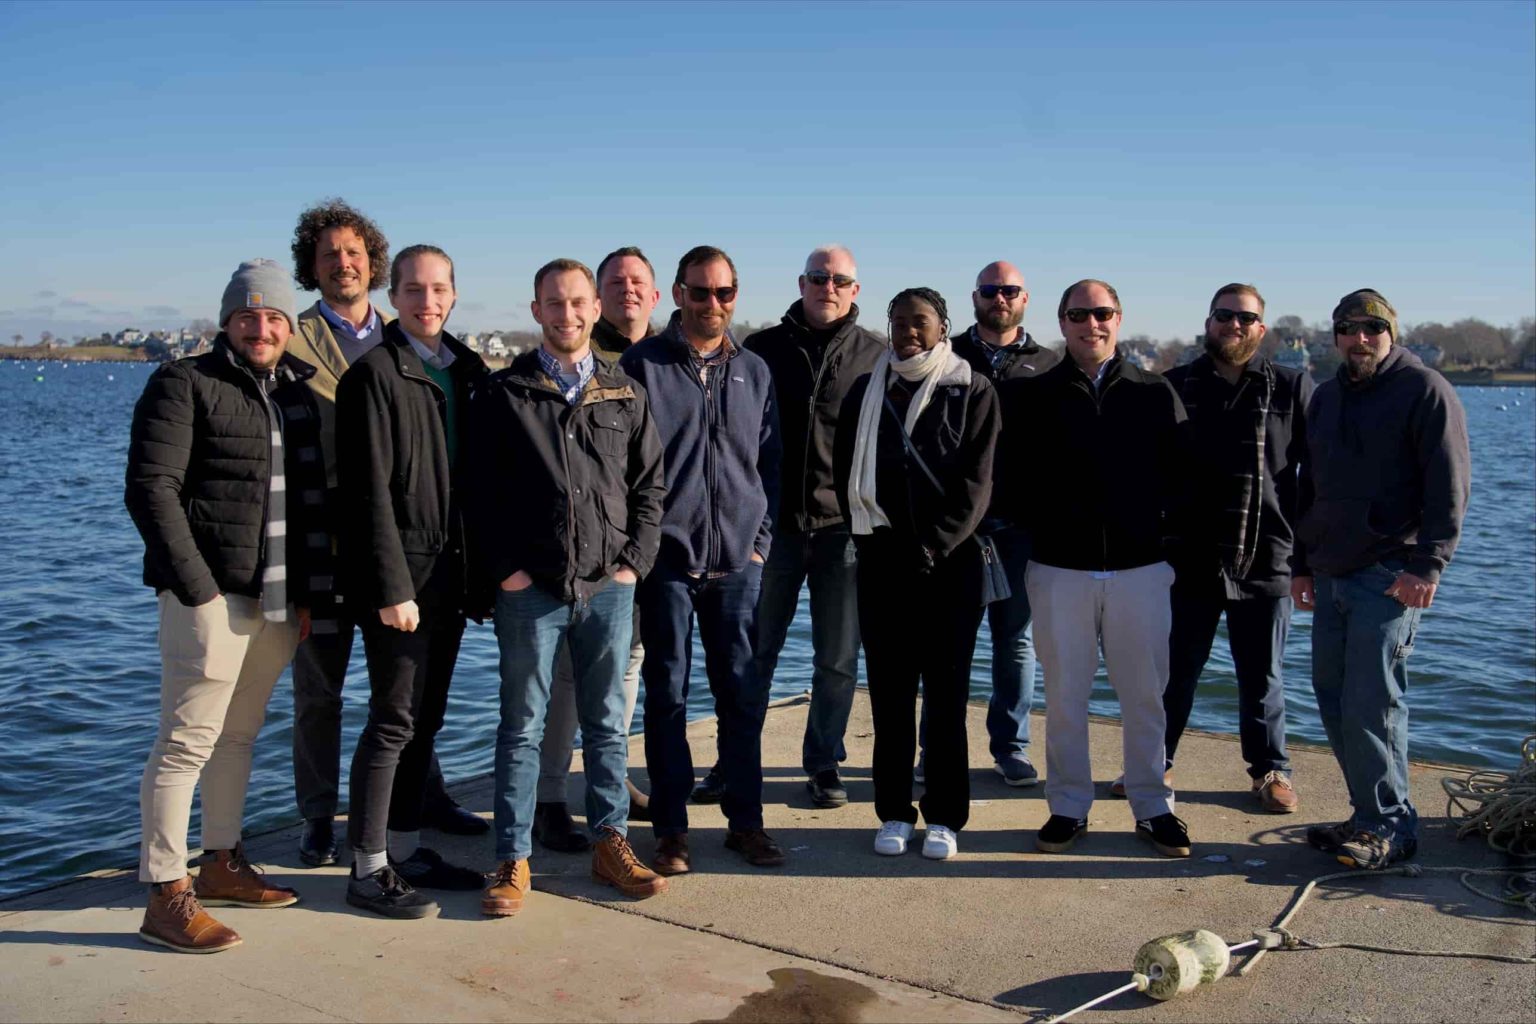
x=1389, y=472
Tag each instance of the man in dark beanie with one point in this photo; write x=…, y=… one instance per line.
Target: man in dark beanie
x=1384, y=490
x=224, y=483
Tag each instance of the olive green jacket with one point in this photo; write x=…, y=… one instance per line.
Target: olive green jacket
x=316, y=345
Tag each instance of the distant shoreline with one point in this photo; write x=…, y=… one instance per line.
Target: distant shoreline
x=74, y=354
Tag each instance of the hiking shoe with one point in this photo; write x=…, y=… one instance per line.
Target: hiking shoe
x=1017, y=771
x=1059, y=833
x=426, y=869
x=671, y=856
x=226, y=879
x=385, y=892
x=507, y=889
x=1117, y=788
x=920, y=776
x=554, y=829
x=710, y=789
x=1329, y=838
x=639, y=803
x=317, y=846
x=756, y=847
x=1275, y=793
x=939, y=843
x=1167, y=833
x=891, y=840
x=614, y=863
x=826, y=788
x=1371, y=852
x=447, y=816
x=174, y=919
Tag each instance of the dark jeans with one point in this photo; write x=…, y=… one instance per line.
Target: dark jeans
x=1256, y=631
x=409, y=675
x=1013, y=654
x=827, y=558
x=727, y=616
x=919, y=628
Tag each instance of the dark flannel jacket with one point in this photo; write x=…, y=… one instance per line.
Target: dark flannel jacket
x=399, y=510
x=568, y=494
x=199, y=471
x=810, y=382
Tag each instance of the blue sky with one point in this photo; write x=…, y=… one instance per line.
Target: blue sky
x=1169, y=148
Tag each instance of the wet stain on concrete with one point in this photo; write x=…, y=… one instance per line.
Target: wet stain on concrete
x=799, y=996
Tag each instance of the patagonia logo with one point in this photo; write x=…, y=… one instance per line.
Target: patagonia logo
x=739, y=380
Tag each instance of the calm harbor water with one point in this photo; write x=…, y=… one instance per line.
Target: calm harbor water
x=79, y=675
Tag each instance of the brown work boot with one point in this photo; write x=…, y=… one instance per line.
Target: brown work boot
x=1276, y=793
x=176, y=920
x=614, y=863
x=508, y=888
x=671, y=856
x=756, y=847
x=226, y=879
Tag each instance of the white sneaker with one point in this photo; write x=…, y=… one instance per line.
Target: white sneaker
x=891, y=840
x=939, y=843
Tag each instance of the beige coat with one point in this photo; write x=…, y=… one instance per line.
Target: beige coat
x=316, y=345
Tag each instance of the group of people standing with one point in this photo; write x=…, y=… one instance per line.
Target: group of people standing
x=339, y=469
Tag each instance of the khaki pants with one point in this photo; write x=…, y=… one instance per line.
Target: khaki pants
x=219, y=662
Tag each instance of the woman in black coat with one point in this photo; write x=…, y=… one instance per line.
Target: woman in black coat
x=914, y=460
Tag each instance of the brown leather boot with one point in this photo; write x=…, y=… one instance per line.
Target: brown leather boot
x=671, y=856
x=614, y=863
x=508, y=888
x=176, y=920
x=226, y=879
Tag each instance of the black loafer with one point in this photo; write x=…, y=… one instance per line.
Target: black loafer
x=826, y=789
x=449, y=817
x=711, y=790
x=554, y=829
x=426, y=869
x=317, y=846
x=384, y=892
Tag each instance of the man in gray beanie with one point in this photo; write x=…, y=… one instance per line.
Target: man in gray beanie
x=224, y=484
x=1383, y=493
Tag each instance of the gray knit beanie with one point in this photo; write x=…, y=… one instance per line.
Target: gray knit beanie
x=260, y=284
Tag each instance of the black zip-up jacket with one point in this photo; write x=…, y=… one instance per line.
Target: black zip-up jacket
x=199, y=476
x=399, y=512
x=1095, y=475
x=1389, y=472
x=1027, y=360
x=568, y=494
x=608, y=343
x=810, y=382
x=1220, y=441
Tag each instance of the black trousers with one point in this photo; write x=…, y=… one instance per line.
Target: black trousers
x=919, y=629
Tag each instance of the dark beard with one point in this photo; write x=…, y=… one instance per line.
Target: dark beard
x=1239, y=355
x=999, y=322
x=1361, y=371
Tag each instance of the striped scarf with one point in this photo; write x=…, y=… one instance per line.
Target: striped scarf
x=274, y=571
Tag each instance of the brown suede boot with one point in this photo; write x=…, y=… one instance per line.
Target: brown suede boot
x=614, y=863
x=226, y=879
x=176, y=920
x=508, y=888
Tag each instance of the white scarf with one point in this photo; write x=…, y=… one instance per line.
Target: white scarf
x=938, y=365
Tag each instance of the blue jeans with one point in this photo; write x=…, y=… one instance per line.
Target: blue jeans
x=531, y=626
x=1361, y=640
x=827, y=557
x=727, y=613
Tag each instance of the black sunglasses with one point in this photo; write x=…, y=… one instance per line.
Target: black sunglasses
x=819, y=278
x=699, y=293
x=1103, y=314
x=1007, y=291
x=1242, y=316
x=1371, y=325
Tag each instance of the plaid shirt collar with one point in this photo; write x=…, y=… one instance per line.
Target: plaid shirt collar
x=570, y=387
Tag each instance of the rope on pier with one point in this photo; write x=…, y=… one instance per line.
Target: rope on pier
x=1500, y=807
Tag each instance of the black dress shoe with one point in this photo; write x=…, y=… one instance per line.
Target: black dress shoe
x=426, y=869
x=317, y=846
x=554, y=829
x=447, y=816
x=385, y=892
x=711, y=790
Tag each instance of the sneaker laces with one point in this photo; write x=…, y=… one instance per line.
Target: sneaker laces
x=893, y=829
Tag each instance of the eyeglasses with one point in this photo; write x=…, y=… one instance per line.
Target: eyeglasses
x=1007, y=291
x=819, y=278
x=1370, y=325
x=1103, y=314
x=1242, y=316
x=698, y=293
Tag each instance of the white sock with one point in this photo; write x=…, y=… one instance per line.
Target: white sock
x=403, y=844
x=365, y=864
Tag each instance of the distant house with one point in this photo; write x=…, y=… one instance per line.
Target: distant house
x=1294, y=355
x=471, y=342
x=128, y=336
x=494, y=345
x=1430, y=355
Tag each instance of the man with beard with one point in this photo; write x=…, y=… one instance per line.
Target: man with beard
x=626, y=284
x=342, y=254
x=1384, y=490
x=1247, y=439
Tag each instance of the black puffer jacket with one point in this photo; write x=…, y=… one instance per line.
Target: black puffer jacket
x=399, y=511
x=568, y=494
x=199, y=471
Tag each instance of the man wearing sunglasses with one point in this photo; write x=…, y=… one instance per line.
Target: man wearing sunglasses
x=815, y=354
x=1384, y=490
x=713, y=405
x=1247, y=433
x=1098, y=575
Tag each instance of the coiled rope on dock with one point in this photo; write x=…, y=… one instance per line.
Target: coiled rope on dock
x=1501, y=808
